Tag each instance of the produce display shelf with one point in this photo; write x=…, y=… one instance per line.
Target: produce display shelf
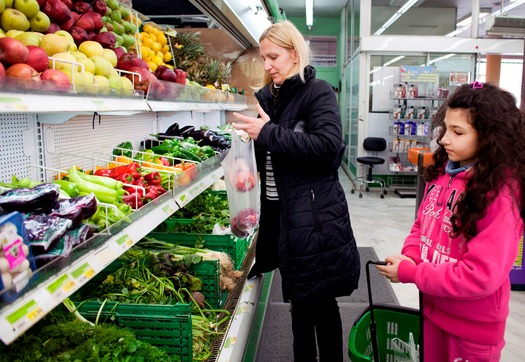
x=48, y=289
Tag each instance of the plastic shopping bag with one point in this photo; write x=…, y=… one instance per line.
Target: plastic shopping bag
x=242, y=185
x=405, y=351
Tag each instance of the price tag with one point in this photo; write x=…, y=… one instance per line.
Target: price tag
x=61, y=287
x=12, y=104
x=168, y=210
x=26, y=315
x=83, y=273
x=125, y=242
x=101, y=105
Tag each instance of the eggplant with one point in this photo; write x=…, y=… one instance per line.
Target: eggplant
x=38, y=198
x=172, y=130
x=184, y=131
x=43, y=231
x=76, y=208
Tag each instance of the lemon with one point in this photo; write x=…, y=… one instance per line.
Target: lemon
x=167, y=57
x=152, y=65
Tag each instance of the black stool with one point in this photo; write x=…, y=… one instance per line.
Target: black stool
x=374, y=145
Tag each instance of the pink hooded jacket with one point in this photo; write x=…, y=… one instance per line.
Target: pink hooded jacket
x=465, y=285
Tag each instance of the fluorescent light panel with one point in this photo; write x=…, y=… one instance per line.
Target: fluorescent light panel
x=396, y=16
x=309, y=6
x=465, y=24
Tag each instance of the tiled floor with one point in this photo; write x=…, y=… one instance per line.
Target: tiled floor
x=383, y=225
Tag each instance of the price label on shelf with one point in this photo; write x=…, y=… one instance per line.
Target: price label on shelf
x=25, y=316
x=168, y=210
x=61, y=287
x=125, y=242
x=12, y=104
x=83, y=273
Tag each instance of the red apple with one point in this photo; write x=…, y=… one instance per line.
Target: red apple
x=12, y=51
x=57, y=11
x=165, y=73
x=67, y=24
x=81, y=7
x=60, y=81
x=41, y=3
x=142, y=82
x=85, y=23
x=37, y=58
x=97, y=20
x=120, y=51
x=23, y=71
x=53, y=28
x=131, y=60
x=2, y=70
x=100, y=7
x=91, y=35
x=79, y=35
x=69, y=3
x=106, y=39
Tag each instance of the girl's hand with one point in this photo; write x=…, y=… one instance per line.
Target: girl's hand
x=389, y=271
x=251, y=125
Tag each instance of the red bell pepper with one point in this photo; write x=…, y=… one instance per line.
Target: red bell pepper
x=133, y=199
x=152, y=178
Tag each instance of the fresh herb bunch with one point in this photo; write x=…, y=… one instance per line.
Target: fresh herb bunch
x=53, y=340
x=207, y=209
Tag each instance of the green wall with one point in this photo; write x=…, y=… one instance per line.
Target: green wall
x=323, y=26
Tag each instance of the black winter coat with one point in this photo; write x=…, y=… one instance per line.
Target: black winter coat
x=313, y=237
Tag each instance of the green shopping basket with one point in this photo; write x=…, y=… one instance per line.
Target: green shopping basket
x=383, y=332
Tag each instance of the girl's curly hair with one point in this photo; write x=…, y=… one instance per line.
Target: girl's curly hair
x=500, y=157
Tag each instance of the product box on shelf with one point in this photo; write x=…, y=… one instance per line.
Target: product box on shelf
x=16, y=261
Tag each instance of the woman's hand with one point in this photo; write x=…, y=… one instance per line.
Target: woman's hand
x=251, y=125
x=389, y=271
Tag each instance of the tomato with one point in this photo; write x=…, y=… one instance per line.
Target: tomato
x=244, y=181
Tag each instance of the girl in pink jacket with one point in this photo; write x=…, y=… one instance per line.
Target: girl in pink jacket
x=464, y=241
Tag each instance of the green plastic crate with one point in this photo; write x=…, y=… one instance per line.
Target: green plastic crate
x=165, y=326
x=208, y=271
x=235, y=247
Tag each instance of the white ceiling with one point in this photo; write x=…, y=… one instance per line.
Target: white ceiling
x=333, y=7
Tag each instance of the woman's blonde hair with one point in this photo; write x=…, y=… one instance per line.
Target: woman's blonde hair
x=286, y=35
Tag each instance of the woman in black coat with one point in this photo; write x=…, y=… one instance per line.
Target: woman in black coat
x=304, y=227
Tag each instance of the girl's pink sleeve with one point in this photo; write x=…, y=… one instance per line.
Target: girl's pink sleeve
x=486, y=263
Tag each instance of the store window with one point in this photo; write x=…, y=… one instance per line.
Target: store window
x=510, y=75
x=324, y=51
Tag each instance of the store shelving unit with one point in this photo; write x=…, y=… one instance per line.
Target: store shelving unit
x=411, y=126
x=41, y=131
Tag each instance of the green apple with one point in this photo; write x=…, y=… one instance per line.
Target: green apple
x=116, y=16
x=40, y=22
x=63, y=61
x=91, y=48
x=113, y=4
x=115, y=82
x=103, y=84
x=78, y=54
x=27, y=7
x=102, y=65
x=124, y=10
x=30, y=38
x=9, y=3
x=2, y=5
x=53, y=43
x=2, y=34
x=72, y=46
x=13, y=33
x=127, y=85
x=14, y=19
x=111, y=56
x=89, y=65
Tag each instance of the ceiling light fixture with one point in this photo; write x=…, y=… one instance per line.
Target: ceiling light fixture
x=396, y=16
x=465, y=24
x=309, y=6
